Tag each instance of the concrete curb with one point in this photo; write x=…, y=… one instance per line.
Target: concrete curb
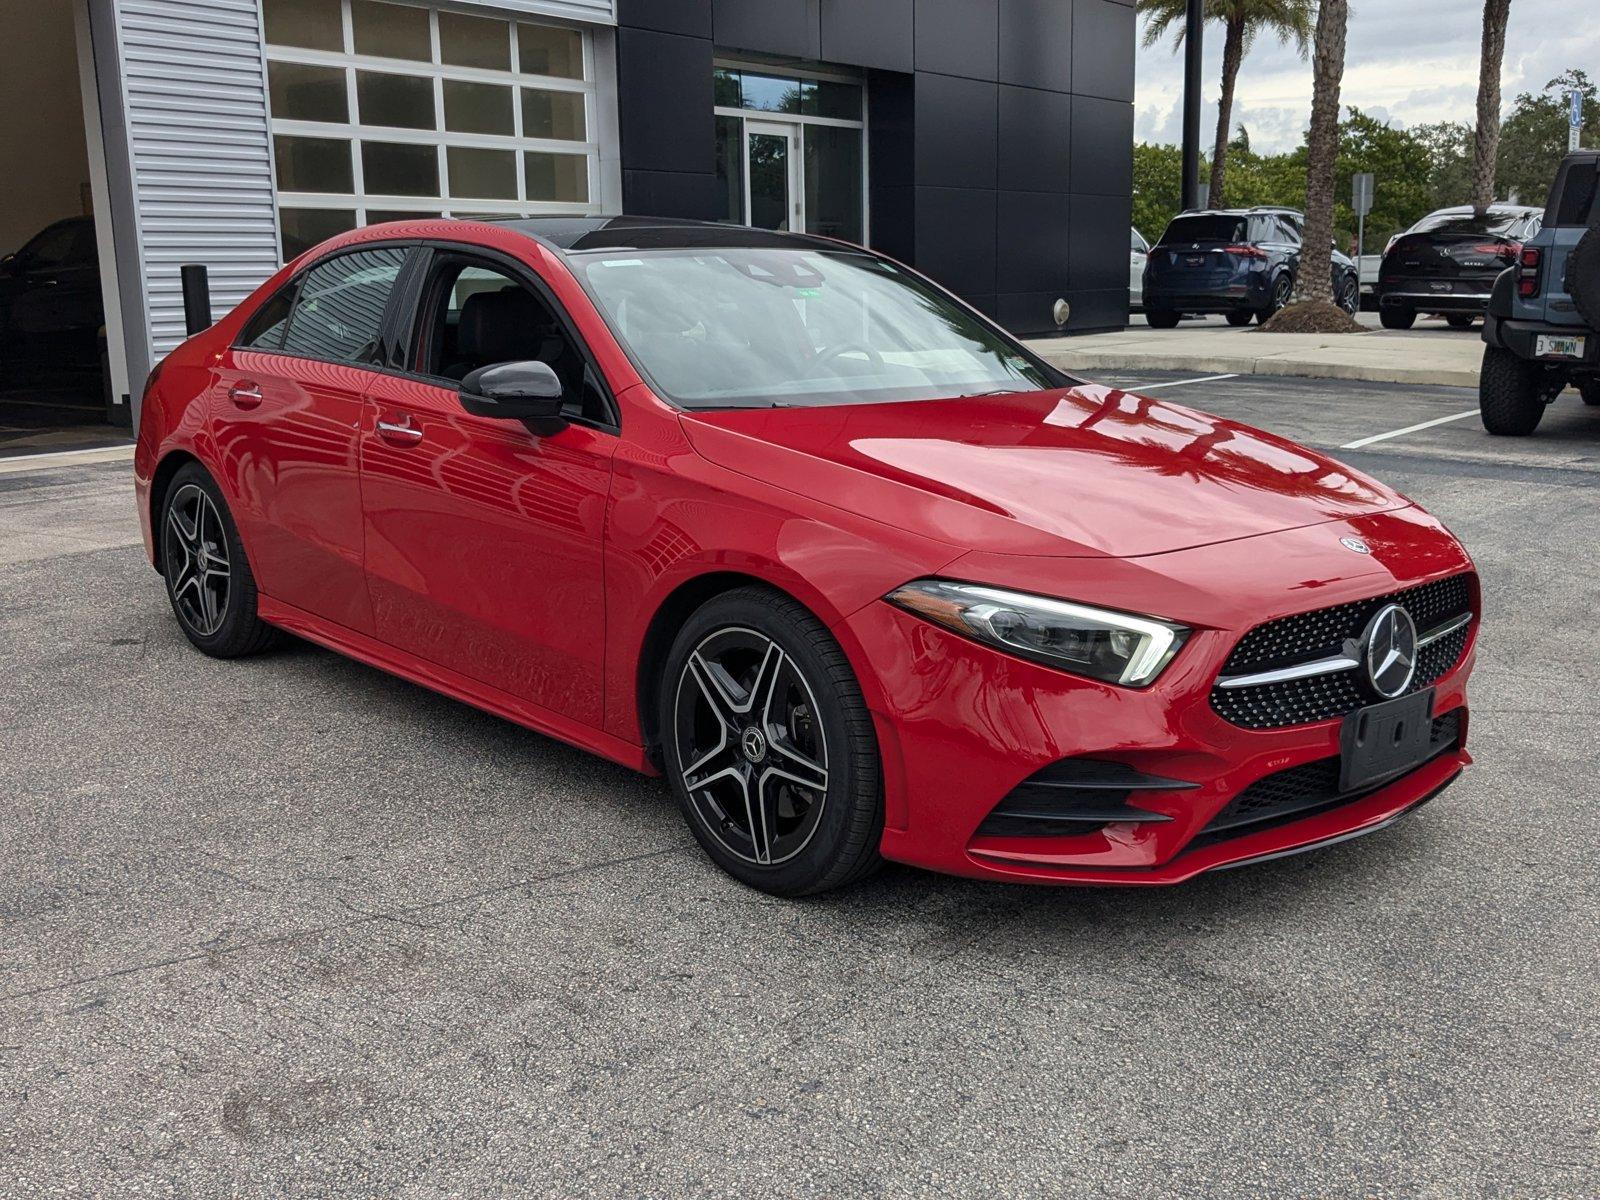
x=1114, y=360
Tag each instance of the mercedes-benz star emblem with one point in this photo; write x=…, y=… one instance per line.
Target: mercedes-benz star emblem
x=754, y=744
x=1390, y=651
x=1356, y=544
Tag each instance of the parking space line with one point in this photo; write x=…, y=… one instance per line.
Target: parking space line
x=1150, y=387
x=1394, y=433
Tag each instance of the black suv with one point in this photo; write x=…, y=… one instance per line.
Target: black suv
x=1447, y=262
x=1542, y=330
x=1240, y=262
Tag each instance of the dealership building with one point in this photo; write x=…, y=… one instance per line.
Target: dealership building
x=986, y=142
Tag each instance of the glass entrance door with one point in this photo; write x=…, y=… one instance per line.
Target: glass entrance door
x=773, y=198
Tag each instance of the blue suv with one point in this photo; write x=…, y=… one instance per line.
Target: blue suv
x=1542, y=331
x=1240, y=262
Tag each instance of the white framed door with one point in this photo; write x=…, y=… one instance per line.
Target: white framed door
x=773, y=196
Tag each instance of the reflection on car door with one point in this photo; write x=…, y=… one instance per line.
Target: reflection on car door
x=286, y=414
x=484, y=539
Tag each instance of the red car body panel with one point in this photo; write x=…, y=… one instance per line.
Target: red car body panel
x=526, y=574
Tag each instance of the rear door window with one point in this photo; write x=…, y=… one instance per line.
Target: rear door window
x=339, y=313
x=1576, y=201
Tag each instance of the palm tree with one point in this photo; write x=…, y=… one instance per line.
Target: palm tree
x=1242, y=20
x=1486, y=143
x=1322, y=149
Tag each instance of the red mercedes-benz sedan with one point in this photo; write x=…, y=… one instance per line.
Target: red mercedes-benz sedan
x=780, y=519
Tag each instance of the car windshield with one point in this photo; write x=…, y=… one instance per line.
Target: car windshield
x=1206, y=229
x=1494, y=223
x=746, y=327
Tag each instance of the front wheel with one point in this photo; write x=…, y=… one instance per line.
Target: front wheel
x=1350, y=296
x=1394, y=317
x=209, y=582
x=1510, y=399
x=769, y=746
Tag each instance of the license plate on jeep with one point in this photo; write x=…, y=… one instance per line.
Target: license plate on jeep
x=1548, y=345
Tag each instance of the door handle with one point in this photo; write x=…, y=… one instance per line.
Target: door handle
x=401, y=433
x=245, y=395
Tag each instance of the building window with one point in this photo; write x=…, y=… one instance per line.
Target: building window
x=790, y=151
x=383, y=111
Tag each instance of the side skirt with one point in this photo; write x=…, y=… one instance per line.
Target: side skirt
x=451, y=683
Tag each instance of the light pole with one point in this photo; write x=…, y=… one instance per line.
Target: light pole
x=1193, y=62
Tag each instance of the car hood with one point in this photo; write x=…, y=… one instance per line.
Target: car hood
x=1088, y=471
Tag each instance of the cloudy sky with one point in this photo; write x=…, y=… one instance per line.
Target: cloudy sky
x=1410, y=61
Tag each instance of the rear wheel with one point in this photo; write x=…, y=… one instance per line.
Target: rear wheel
x=209, y=583
x=1395, y=317
x=1240, y=316
x=1460, y=320
x=1510, y=398
x=1161, y=318
x=769, y=746
x=1282, y=290
x=1589, y=389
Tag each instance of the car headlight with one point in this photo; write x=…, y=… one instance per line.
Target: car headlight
x=1116, y=647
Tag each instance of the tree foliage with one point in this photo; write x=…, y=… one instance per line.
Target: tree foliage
x=1533, y=139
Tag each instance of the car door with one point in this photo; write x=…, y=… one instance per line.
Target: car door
x=1139, y=252
x=286, y=416
x=483, y=537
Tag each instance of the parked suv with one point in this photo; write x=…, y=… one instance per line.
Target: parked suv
x=1447, y=262
x=1241, y=262
x=1542, y=330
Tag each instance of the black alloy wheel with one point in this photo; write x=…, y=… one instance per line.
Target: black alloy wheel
x=1282, y=291
x=209, y=582
x=1350, y=296
x=769, y=747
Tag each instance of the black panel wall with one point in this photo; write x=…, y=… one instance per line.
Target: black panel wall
x=1000, y=156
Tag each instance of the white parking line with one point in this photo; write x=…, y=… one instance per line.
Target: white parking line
x=1394, y=433
x=1150, y=387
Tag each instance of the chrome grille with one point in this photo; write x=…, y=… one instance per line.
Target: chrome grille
x=1323, y=633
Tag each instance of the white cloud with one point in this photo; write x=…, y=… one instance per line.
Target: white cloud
x=1414, y=61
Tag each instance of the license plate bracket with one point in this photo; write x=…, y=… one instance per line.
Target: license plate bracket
x=1550, y=345
x=1385, y=740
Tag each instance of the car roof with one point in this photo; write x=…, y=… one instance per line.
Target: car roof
x=580, y=235
x=1467, y=209
x=1239, y=212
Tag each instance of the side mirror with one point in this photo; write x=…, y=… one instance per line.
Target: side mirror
x=516, y=391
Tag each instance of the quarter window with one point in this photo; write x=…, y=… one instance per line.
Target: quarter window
x=339, y=312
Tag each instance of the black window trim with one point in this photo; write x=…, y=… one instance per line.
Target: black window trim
x=409, y=316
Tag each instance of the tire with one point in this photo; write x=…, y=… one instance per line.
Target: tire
x=1509, y=398
x=209, y=583
x=1393, y=317
x=1589, y=389
x=1240, y=316
x=1460, y=320
x=1583, y=277
x=1161, y=318
x=1350, y=296
x=1282, y=291
x=751, y=649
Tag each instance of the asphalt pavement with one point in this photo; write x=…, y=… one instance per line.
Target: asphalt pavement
x=288, y=925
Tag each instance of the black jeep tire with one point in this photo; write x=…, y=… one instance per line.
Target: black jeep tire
x=1583, y=277
x=1394, y=317
x=1509, y=397
x=1240, y=316
x=1161, y=318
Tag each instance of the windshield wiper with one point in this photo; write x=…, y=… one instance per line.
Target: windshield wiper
x=996, y=392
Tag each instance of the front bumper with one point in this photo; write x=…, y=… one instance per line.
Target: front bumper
x=961, y=726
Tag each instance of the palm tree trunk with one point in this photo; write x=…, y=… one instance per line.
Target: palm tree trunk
x=1486, y=144
x=1232, y=56
x=1322, y=145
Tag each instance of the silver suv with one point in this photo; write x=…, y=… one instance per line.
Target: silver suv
x=1542, y=330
